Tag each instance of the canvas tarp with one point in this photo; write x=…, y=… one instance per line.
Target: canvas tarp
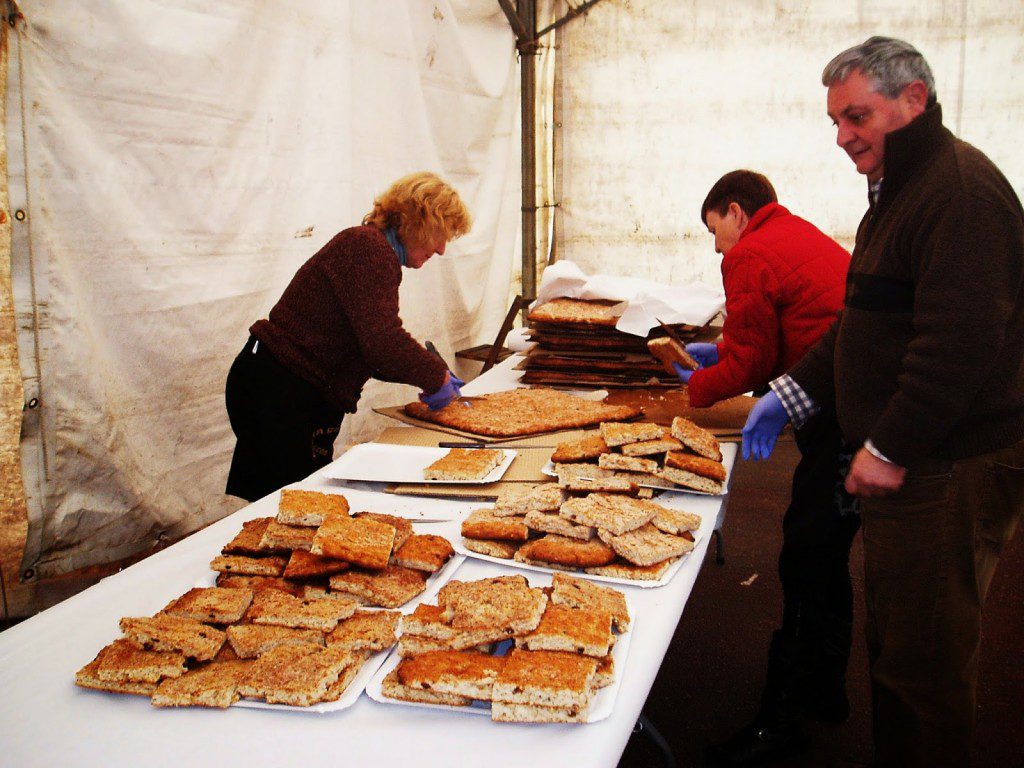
x=180, y=161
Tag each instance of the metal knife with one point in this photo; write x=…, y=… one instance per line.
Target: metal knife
x=671, y=333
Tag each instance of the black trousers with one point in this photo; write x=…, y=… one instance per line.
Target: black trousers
x=285, y=428
x=809, y=654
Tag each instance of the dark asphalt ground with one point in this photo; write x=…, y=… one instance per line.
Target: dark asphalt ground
x=710, y=682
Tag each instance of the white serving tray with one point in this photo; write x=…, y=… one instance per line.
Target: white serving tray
x=601, y=707
x=728, y=459
x=378, y=462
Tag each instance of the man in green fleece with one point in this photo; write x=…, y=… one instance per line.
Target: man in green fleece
x=925, y=367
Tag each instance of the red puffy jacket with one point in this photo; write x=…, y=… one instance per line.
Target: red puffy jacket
x=784, y=282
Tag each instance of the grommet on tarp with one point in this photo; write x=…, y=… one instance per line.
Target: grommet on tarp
x=28, y=574
x=19, y=215
x=33, y=403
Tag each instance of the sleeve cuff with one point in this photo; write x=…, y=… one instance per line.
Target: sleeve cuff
x=797, y=403
x=870, y=448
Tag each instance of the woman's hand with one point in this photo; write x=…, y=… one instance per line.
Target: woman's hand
x=450, y=390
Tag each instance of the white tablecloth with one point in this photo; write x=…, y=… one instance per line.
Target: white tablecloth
x=45, y=720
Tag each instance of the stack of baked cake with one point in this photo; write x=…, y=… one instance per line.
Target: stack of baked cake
x=314, y=547
x=601, y=527
x=577, y=343
x=562, y=636
x=214, y=645
x=646, y=454
x=284, y=623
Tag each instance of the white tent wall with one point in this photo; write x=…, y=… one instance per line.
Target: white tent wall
x=181, y=160
x=656, y=100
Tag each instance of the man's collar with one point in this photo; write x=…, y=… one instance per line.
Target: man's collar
x=910, y=147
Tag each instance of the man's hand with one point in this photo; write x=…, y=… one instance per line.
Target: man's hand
x=705, y=354
x=765, y=422
x=870, y=476
x=684, y=374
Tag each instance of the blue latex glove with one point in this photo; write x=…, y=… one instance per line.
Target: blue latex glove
x=459, y=383
x=705, y=354
x=684, y=374
x=764, y=424
x=437, y=400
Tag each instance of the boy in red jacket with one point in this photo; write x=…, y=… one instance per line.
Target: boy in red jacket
x=784, y=283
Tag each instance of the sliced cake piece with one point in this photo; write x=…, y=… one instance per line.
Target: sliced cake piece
x=650, y=447
x=247, y=541
x=464, y=464
x=462, y=673
x=393, y=688
x=359, y=540
x=299, y=675
x=575, y=630
x=280, y=609
x=623, y=569
x=492, y=547
x=305, y=565
x=675, y=521
x=124, y=661
x=626, y=463
x=366, y=631
x=582, y=593
x=695, y=472
x=618, y=433
x=250, y=640
x=424, y=552
x=211, y=685
x=389, y=588
x=309, y=508
x=174, y=633
x=256, y=583
x=427, y=622
x=584, y=449
x=546, y=678
x=339, y=686
x=520, y=498
x=484, y=524
x=555, y=523
x=697, y=439
x=284, y=538
x=243, y=565
x=402, y=526
x=508, y=603
x=88, y=677
x=555, y=550
x=647, y=545
x=217, y=605
x=614, y=513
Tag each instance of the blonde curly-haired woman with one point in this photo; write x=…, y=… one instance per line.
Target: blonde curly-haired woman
x=335, y=327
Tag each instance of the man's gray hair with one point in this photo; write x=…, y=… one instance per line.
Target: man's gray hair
x=889, y=63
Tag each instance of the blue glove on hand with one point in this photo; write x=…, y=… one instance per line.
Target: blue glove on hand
x=764, y=424
x=705, y=354
x=684, y=374
x=437, y=400
x=459, y=383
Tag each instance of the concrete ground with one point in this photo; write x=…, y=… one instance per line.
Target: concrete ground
x=710, y=682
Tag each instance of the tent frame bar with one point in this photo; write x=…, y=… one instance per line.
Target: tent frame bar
x=524, y=25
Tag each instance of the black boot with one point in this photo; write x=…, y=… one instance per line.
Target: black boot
x=775, y=732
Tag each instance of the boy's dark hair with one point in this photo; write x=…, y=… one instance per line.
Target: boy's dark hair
x=749, y=190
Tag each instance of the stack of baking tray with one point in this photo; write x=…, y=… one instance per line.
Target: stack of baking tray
x=577, y=345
